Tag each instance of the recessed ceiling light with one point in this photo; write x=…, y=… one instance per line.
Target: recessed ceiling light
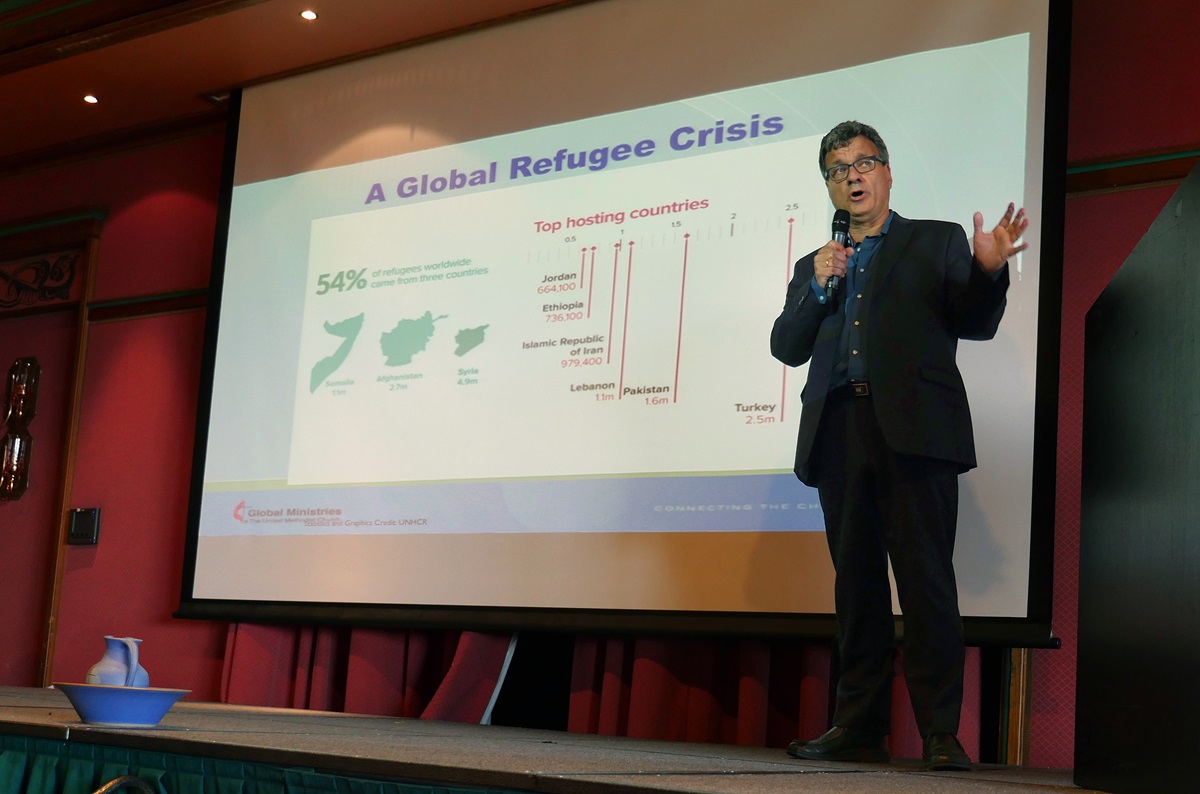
x=309, y=15
x=90, y=99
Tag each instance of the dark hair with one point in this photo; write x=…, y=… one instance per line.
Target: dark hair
x=842, y=134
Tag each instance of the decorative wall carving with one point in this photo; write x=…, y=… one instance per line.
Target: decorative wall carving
x=38, y=280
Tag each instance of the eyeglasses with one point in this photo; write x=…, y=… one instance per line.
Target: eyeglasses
x=863, y=165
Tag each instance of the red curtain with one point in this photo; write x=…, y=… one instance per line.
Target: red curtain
x=747, y=692
x=442, y=675
x=734, y=691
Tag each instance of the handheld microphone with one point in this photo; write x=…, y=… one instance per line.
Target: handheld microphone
x=841, y=236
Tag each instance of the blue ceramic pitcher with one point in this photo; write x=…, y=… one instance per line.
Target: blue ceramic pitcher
x=119, y=665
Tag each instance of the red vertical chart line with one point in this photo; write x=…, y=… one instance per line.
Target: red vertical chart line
x=591, y=278
x=625, y=326
x=612, y=301
x=679, y=332
x=787, y=276
x=582, y=271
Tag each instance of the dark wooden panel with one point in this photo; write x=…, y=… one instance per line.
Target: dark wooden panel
x=1138, y=694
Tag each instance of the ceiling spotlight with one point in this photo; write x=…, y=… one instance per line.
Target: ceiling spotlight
x=309, y=15
x=90, y=99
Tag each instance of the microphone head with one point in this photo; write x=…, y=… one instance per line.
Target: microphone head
x=841, y=224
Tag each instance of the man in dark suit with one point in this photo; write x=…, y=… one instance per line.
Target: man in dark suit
x=885, y=431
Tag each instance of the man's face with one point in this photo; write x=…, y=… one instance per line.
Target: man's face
x=864, y=196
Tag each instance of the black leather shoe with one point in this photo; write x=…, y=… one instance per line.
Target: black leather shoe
x=944, y=753
x=842, y=744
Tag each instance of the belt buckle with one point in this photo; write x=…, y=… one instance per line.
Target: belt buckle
x=860, y=389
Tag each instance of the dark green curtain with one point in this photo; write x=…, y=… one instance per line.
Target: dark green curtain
x=45, y=766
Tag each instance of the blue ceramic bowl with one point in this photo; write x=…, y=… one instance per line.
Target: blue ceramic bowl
x=121, y=706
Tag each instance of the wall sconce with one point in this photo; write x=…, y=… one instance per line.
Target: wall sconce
x=20, y=407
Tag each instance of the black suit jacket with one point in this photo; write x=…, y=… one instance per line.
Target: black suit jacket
x=924, y=292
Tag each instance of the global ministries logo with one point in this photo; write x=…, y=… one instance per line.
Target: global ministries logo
x=309, y=516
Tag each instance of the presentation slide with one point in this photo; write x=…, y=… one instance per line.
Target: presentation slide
x=557, y=320
x=530, y=368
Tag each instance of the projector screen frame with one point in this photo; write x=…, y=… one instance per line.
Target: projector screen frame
x=1033, y=630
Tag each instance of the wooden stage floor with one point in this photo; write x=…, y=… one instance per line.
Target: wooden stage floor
x=494, y=757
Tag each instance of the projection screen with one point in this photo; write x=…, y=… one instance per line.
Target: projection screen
x=488, y=336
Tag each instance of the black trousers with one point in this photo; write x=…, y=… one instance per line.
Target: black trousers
x=877, y=504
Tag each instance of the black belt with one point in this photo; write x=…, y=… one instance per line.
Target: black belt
x=855, y=389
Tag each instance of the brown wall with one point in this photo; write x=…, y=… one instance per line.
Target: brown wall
x=1133, y=92
x=26, y=530
x=135, y=436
